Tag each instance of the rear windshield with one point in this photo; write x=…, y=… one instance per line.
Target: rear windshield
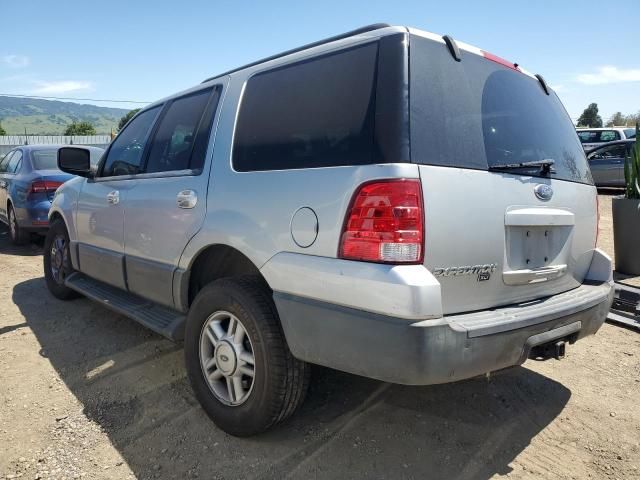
x=598, y=136
x=48, y=159
x=44, y=159
x=478, y=114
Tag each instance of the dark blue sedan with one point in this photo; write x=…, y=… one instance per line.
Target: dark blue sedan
x=29, y=177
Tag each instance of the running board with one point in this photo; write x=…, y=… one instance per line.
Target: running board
x=162, y=320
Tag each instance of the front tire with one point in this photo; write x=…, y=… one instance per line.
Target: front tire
x=18, y=235
x=237, y=358
x=57, y=261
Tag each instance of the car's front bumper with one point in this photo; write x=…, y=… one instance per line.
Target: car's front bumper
x=445, y=349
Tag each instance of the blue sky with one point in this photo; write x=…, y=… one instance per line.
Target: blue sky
x=143, y=50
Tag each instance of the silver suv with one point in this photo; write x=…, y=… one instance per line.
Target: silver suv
x=388, y=202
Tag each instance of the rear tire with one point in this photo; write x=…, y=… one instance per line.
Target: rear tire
x=57, y=261
x=274, y=386
x=19, y=236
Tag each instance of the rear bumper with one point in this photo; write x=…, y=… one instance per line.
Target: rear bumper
x=34, y=217
x=445, y=349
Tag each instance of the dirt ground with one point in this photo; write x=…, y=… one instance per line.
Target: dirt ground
x=85, y=393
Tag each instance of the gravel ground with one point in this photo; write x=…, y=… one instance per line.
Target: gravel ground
x=85, y=393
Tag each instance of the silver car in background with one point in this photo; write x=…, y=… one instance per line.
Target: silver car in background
x=595, y=137
x=321, y=207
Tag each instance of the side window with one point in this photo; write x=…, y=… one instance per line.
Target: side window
x=186, y=121
x=125, y=154
x=14, y=162
x=609, y=136
x=613, y=151
x=314, y=113
x=4, y=162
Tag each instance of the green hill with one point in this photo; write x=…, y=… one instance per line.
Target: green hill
x=49, y=117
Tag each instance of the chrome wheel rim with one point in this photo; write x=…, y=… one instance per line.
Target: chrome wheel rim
x=226, y=358
x=59, y=256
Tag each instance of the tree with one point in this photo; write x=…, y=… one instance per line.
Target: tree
x=617, y=120
x=2, y=130
x=80, y=128
x=125, y=119
x=590, y=117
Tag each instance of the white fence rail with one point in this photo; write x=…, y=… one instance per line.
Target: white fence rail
x=7, y=142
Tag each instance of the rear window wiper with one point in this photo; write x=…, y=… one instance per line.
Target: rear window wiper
x=545, y=165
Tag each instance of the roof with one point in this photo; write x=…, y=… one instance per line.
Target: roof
x=600, y=129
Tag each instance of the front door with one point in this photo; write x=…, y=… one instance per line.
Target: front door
x=607, y=165
x=167, y=205
x=100, y=214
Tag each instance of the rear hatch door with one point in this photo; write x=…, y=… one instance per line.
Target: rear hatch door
x=497, y=232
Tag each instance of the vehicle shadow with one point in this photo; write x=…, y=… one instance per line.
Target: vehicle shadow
x=132, y=383
x=32, y=248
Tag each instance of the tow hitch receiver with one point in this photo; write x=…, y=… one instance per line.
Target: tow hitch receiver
x=549, y=350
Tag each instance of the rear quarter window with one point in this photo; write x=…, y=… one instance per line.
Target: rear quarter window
x=314, y=113
x=479, y=114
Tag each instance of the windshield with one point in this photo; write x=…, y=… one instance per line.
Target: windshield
x=598, y=136
x=479, y=114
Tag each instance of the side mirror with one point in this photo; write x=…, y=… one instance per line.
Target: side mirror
x=76, y=161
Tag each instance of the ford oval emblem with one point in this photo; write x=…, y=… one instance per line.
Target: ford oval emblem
x=543, y=192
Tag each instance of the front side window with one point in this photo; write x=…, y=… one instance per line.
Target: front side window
x=612, y=151
x=174, y=143
x=630, y=133
x=315, y=113
x=125, y=154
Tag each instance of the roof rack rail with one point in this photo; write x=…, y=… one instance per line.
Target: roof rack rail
x=358, y=31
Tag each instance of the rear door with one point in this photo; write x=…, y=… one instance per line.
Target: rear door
x=166, y=204
x=100, y=213
x=495, y=234
x=607, y=165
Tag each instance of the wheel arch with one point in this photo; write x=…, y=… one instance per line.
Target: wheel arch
x=209, y=264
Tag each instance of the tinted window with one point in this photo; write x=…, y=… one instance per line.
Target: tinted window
x=316, y=113
x=630, y=133
x=598, y=136
x=14, y=162
x=125, y=154
x=477, y=113
x=613, y=151
x=44, y=159
x=174, y=141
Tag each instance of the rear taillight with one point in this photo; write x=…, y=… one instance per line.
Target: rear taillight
x=385, y=223
x=44, y=186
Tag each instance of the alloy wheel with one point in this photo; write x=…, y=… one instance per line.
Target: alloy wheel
x=226, y=358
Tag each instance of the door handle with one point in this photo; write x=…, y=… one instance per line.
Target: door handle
x=113, y=198
x=187, y=199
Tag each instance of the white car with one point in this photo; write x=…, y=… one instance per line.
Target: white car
x=594, y=137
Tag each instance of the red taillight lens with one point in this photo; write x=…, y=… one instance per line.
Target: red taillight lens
x=385, y=223
x=44, y=186
x=500, y=60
